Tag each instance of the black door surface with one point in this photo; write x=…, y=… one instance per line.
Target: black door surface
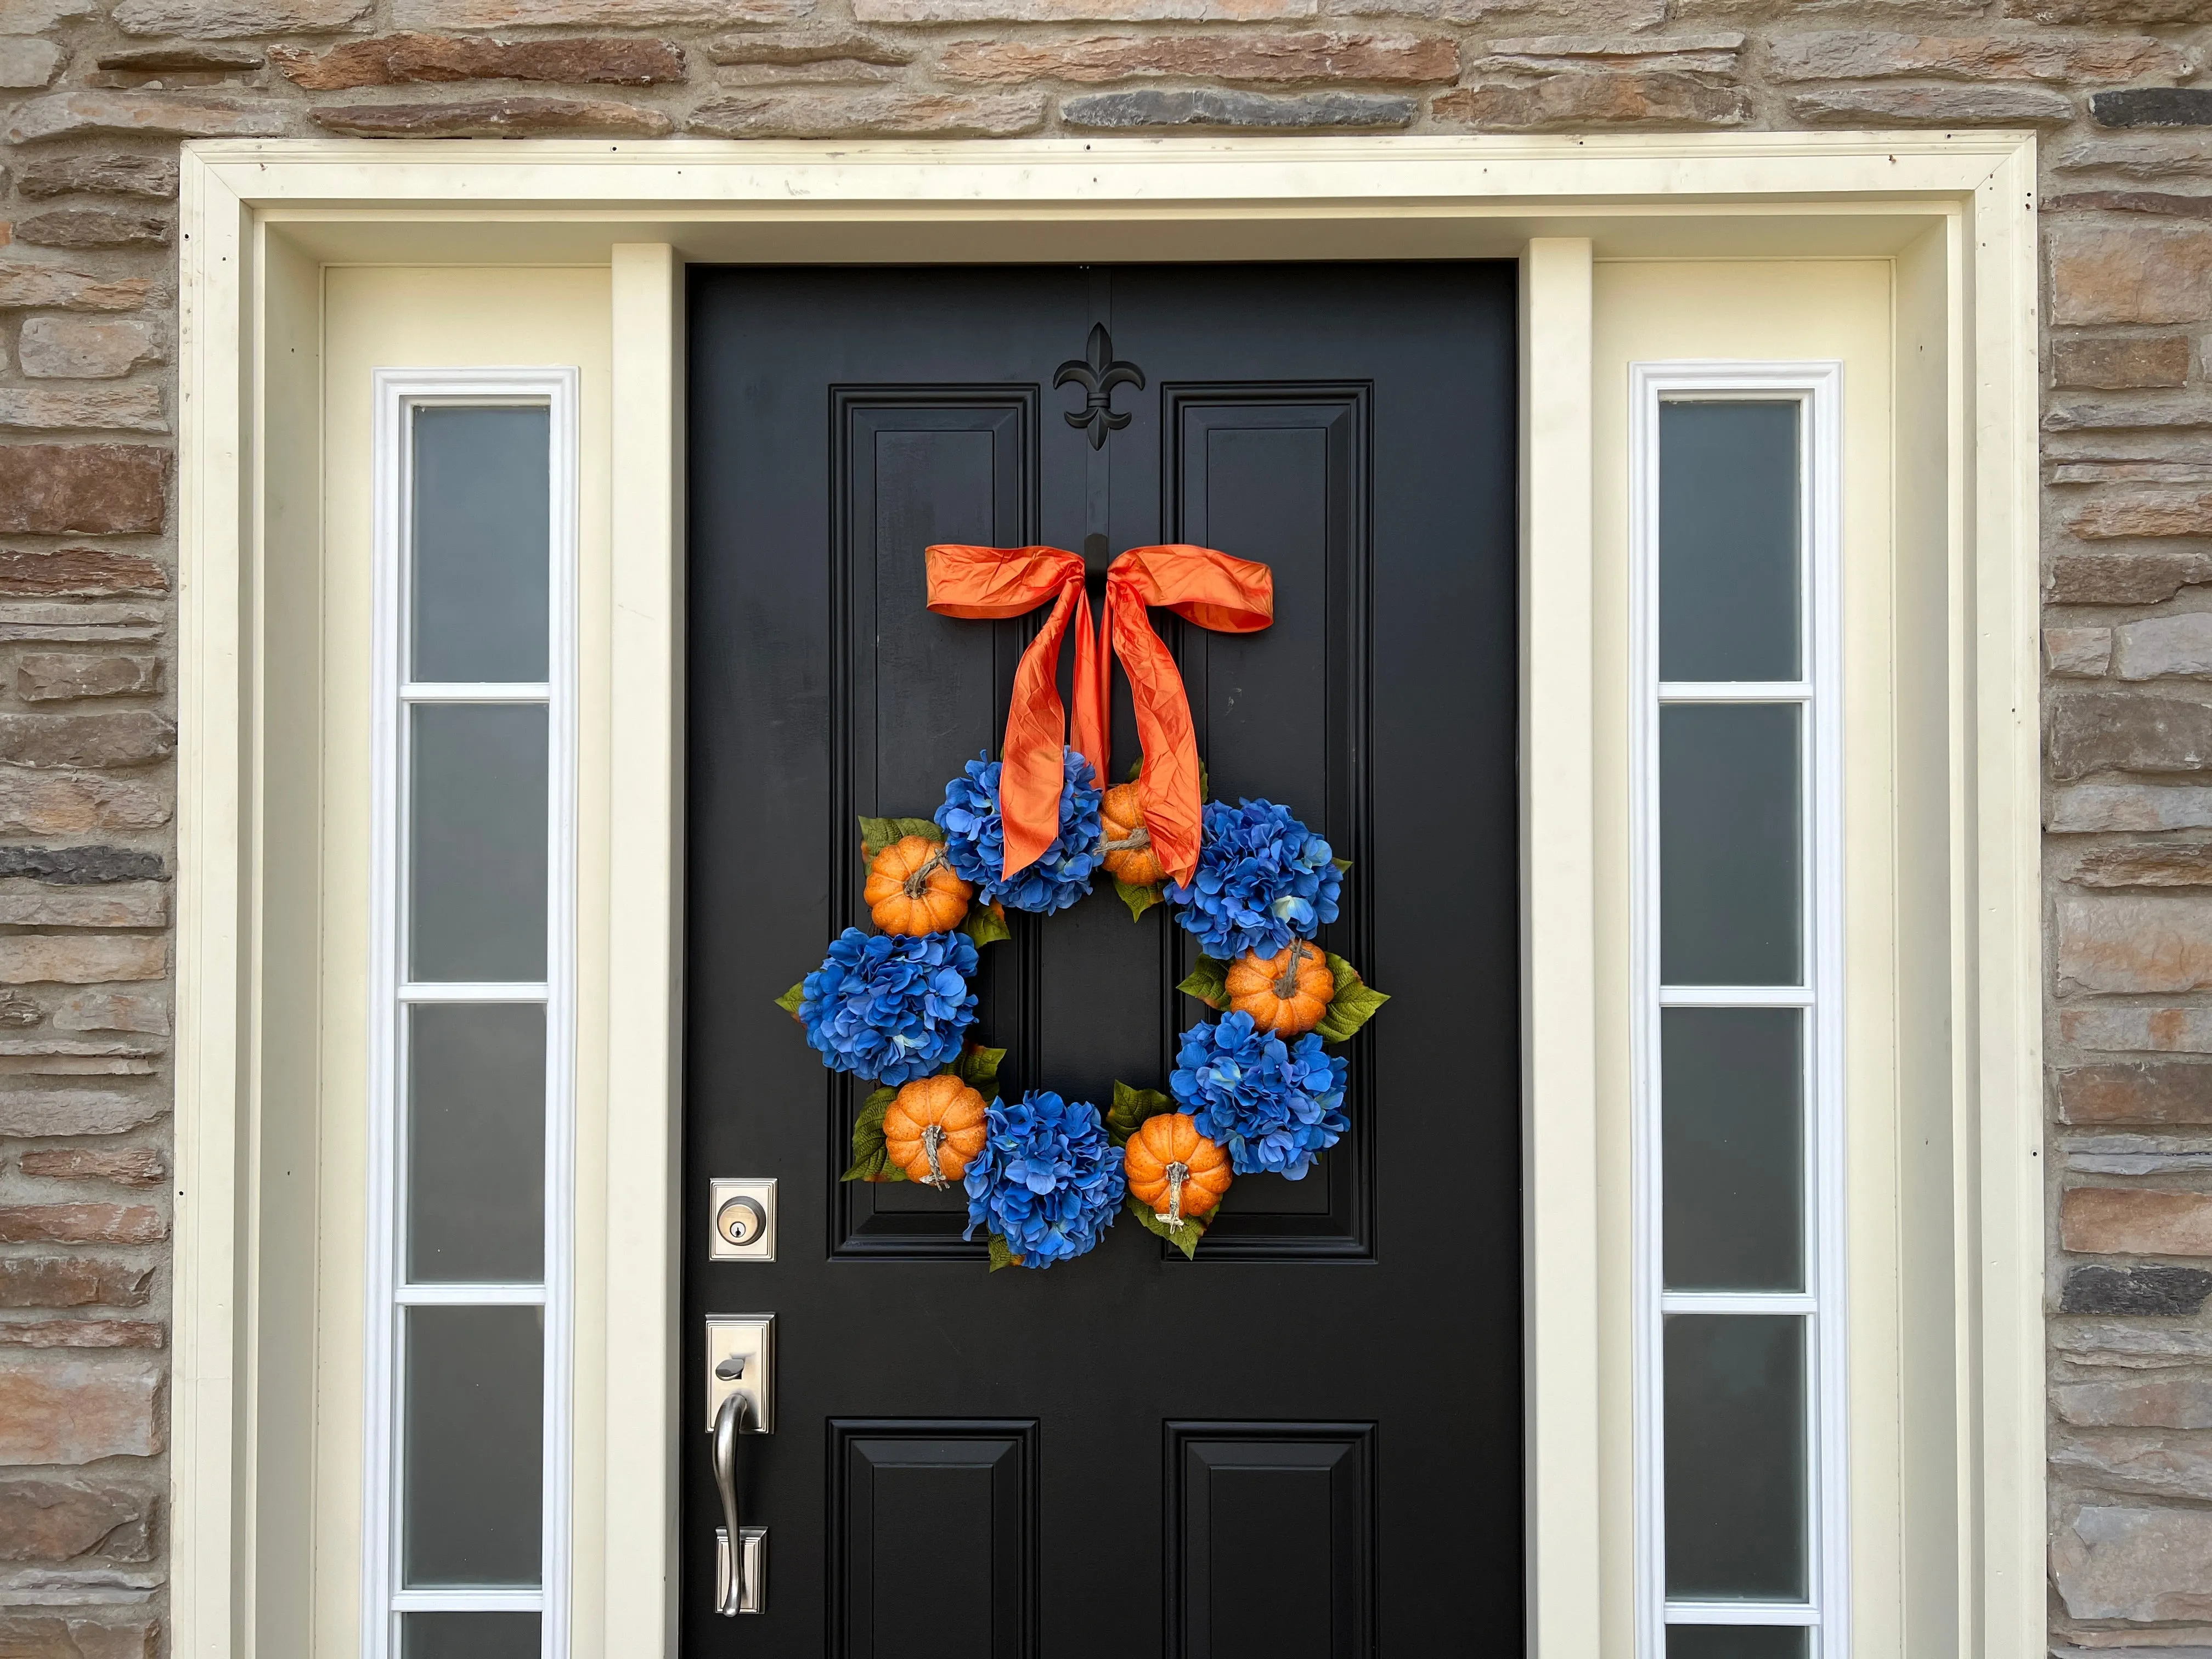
x=1307, y=1442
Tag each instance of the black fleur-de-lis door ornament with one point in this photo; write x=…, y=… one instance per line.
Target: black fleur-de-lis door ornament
x=1098, y=376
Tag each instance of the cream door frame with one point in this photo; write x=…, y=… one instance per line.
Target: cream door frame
x=1955, y=211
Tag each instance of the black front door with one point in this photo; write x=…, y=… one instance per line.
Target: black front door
x=1306, y=1441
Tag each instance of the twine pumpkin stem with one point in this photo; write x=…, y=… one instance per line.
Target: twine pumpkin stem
x=1286, y=982
x=932, y=1136
x=1178, y=1172
x=918, y=883
x=1137, y=842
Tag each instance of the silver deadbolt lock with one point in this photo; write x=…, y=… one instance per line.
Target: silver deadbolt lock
x=744, y=1214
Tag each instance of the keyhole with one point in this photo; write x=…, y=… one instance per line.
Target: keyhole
x=740, y=1221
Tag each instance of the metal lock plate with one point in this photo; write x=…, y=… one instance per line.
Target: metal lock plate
x=742, y=1220
x=741, y=1359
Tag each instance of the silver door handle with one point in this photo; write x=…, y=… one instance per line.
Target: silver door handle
x=740, y=1573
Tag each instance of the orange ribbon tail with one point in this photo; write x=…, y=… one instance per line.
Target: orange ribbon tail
x=1202, y=586
x=990, y=583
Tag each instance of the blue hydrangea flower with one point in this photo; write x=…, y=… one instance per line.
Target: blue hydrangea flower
x=889, y=1007
x=1272, y=1105
x=976, y=839
x=1262, y=879
x=1048, y=1181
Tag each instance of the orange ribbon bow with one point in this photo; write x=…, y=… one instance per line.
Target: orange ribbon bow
x=1229, y=596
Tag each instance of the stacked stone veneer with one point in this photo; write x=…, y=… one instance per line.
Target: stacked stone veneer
x=101, y=91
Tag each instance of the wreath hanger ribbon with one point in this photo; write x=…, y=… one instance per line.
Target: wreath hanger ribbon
x=1199, y=584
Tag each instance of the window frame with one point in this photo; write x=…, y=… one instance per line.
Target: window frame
x=398, y=393
x=1816, y=387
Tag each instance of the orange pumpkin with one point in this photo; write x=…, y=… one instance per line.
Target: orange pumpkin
x=1286, y=993
x=912, y=890
x=932, y=1128
x=1175, y=1170
x=1129, y=855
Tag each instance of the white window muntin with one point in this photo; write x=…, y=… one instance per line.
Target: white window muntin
x=398, y=394
x=1816, y=389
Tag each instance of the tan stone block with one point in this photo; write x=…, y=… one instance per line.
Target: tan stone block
x=2130, y=1027
x=822, y=43
x=171, y=115
x=2152, y=273
x=2139, y=942
x=37, y=17
x=126, y=1166
x=1318, y=56
x=1715, y=51
x=492, y=118
x=81, y=349
x=57, y=679
x=395, y=58
x=2079, y=653
x=821, y=115
x=1575, y=98
x=2161, y=157
x=2138, y=1564
x=2120, y=365
x=113, y=1011
x=57, y=287
x=2132, y=1221
x=2089, y=731
x=1080, y=11
x=62, y=803
x=69, y=571
x=84, y=409
x=82, y=1224
x=446, y=14
x=54, y=489
x=2115, y=516
x=1528, y=15
x=76, y=1411
x=52, y=958
x=93, y=227
x=30, y=1636
x=70, y=622
x=149, y=176
x=2165, y=1403
x=2145, y=863
x=2159, y=1465
x=2123, y=578
x=83, y=1333
x=1933, y=106
x=2171, y=1091
x=116, y=904
x=2190, y=205
x=2159, y=645
x=2150, y=414
x=29, y=64
x=60, y=1520
x=1870, y=54
x=134, y=737
x=827, y=71
x=72, y=1281
x=2106, y=11
x=219, y=20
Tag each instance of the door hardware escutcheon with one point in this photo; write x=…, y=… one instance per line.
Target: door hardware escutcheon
x=741, y=1220
x=740, y=1400
x=741, y=1360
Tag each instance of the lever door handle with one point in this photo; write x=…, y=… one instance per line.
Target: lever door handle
x=740, y=1552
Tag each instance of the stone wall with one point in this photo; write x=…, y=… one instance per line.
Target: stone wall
x=101, y=91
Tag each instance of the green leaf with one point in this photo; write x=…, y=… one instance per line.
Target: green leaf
x=978, y=1069
x=1139, y=899
x=790, y=1000
x=1342, y=865
x=1354, y=1004
x=1184, y=1237
x=1208, y=983
x=875, y=833
x=1000, y=1256
x=871, y=1162
x=1132, y=1107
x=1136, y=767
x=986, y=923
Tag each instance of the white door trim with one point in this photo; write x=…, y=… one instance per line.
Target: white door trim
x=256, y=215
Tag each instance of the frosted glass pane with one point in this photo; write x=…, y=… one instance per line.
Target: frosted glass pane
x=1729, y=542
x=482, y=545
x=477, y=841
x=1728, y=844
x=1732, y=1148
x=476, y=1144
x=1736, y=1641
x=1735, y=1476
x=474, y=1411
x=468, y=1636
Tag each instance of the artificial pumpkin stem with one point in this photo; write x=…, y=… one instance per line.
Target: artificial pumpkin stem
x=1141, y=839
x=1178, y=1172
x=918, y=883
x=932, y=1136
x=1286, y=982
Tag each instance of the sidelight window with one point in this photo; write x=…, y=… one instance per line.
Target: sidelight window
x=471, y=1015
x=1739, y=1317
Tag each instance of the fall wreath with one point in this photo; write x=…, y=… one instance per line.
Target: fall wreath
x=1252, y=1089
